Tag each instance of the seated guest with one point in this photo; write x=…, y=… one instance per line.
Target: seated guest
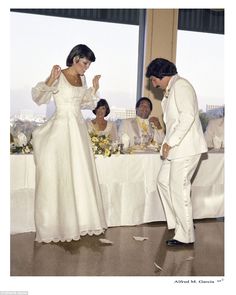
x=99, y=125
x=141, y=125
x=214, y=134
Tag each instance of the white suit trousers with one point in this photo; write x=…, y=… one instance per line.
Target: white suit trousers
x=174, y=184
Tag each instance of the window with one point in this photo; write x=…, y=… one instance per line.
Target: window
x=200, y=59
x=38, y=42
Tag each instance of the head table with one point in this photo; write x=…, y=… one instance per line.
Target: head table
x=128, y=186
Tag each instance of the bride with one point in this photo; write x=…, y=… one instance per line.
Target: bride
x=68, y=202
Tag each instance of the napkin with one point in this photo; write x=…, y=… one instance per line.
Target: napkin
x=217, y=142
x=157, y=266
x=105, y=241
x=140, y=238
x=125, y=140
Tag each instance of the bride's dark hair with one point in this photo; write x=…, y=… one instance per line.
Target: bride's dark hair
x=81, y=51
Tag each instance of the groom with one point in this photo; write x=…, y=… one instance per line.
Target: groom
x=181, y=149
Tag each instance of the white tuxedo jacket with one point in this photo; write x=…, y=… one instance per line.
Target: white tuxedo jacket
x=131, y=127
x=180, y=113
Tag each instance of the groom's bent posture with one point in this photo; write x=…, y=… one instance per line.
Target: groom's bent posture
x=181, y=149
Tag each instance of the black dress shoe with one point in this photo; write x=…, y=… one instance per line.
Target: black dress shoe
x=174, y=242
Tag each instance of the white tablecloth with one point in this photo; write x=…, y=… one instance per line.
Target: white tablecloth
x=128, y=184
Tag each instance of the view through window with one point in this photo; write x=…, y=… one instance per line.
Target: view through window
x=200, y=59
x=38, y=42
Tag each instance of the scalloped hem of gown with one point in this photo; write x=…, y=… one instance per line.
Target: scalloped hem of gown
x=75, y=238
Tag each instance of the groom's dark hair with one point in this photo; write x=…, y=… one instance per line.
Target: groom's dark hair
x=160, y=68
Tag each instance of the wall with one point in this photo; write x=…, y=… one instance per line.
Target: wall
x=160, y=41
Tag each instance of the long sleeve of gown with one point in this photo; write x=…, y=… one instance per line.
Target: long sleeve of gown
x=90, y=98
x=42, y=93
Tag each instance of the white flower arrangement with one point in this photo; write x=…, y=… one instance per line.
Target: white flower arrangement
x=21, y=135
x=20, y=145
x=20, y=140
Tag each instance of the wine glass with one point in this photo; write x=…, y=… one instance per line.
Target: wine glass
x=137, y=140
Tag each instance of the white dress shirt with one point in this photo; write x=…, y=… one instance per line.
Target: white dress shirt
x=133, y=128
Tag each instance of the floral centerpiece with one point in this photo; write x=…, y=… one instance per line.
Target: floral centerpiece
x=19, y=144
x=22, y=126
x=103, y=145
x=21, y=129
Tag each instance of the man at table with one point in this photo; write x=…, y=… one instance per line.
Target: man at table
x=181, y=149
x=142, y=125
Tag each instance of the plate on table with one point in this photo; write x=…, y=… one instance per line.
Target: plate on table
x=137, y=149
x=213, y=150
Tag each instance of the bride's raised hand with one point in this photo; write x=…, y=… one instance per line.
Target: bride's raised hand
x=96, y=82
x=55, y=74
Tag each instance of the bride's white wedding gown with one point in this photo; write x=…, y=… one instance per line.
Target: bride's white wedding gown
x=68, y=202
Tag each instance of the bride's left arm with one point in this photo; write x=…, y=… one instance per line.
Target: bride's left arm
x=90, y=96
